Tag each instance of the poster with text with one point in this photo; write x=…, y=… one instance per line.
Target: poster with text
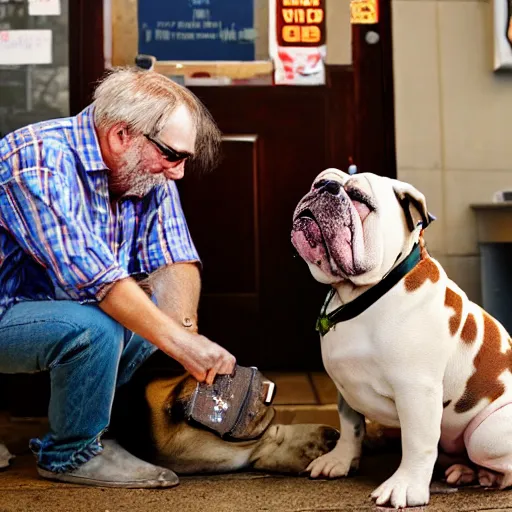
x=197, y=30
x=297, y=41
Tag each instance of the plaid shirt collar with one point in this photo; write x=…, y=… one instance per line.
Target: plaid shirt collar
x=85, y=141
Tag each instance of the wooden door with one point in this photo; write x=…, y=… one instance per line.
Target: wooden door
x=258, y=299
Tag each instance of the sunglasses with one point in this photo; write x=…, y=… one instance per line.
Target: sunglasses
x=170, y=154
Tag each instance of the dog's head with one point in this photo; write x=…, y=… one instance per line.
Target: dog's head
x=234, y=410
x=356, y=228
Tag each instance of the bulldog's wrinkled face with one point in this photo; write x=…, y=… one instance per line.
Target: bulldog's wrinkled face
x=355, y=228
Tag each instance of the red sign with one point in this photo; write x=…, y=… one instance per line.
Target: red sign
x=300, y=22
x=364, y=11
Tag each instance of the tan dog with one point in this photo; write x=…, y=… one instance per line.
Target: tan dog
x=149, y=420
x=402, y=342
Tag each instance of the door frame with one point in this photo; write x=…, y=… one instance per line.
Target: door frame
x=374, y=95
x=86, y=53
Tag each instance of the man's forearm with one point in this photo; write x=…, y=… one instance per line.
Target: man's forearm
x=131, y=307
x=177, y=289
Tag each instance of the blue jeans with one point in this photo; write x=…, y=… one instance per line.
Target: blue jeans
x=88, y=354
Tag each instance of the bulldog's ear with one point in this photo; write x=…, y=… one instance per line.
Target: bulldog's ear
x=408, y=197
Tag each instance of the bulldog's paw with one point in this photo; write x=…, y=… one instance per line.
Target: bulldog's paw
x=402, y=491
x=488, y=478
x=332, y=465
x=460, y=474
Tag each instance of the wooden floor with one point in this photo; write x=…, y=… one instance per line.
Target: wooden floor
x=305, y=398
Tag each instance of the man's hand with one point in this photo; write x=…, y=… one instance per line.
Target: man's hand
x=201, y=357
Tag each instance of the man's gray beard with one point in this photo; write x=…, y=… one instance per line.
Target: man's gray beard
x=141, y=182
x=132, y=179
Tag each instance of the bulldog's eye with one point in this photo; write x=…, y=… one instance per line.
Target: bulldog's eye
x=358, y=195
x=319, y=184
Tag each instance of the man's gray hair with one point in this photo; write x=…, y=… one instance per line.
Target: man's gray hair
x=144, y=101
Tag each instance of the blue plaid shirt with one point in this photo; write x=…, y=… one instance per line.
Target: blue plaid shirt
x=60, y=237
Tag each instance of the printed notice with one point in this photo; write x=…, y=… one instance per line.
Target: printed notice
x=297, y=41
x=25, y=47
x=201, y=30
x=44, y=7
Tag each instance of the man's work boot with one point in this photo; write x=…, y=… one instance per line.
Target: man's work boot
x=115, y=467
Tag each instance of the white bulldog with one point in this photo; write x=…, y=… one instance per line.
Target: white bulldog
x=402, y=342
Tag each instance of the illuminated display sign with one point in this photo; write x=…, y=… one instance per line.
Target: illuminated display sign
x=364, y=11
x=300, y=22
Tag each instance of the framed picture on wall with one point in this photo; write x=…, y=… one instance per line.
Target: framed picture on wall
x=502, y=34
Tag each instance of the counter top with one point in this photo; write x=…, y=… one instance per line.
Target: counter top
x=494, y=222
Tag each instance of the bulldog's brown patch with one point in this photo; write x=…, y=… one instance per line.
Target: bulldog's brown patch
x=426, y=269
x=489, y=363
x=454, y=300
x=469, y=331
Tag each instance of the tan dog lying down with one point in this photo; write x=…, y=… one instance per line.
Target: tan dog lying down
x=148, y=419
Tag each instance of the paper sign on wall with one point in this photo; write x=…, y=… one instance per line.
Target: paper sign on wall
x=197, y=30
x=297, y=41
x=25, y=47
x=44, y=7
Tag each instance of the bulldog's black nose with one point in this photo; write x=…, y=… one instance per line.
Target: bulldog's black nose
x=331, y=186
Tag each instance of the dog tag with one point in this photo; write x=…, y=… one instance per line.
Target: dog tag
x=323, y=325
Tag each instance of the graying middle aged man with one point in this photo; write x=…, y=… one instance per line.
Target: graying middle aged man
x=86, y=203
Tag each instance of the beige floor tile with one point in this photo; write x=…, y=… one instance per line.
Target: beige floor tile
x=293, y=414
x=292, y=388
